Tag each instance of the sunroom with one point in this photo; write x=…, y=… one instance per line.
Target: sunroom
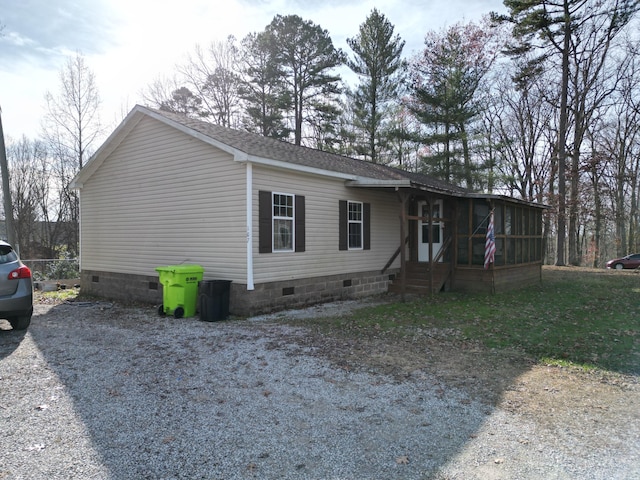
x=445, y=238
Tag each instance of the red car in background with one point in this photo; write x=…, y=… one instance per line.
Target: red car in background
x=630, y=261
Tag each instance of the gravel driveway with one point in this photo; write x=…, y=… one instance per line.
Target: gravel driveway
x=100, y=391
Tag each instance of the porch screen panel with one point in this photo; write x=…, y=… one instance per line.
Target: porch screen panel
x=499, y=255
x=518, y=233
x=498, y=223
x=478, y=251
x=480, y=218
x=511, y=251
x=518, y=242
x=463, y=251
x=463, y=218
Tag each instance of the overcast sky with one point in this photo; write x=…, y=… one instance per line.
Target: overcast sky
x=129, y=43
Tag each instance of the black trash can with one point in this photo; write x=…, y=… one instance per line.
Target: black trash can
x=214, y=300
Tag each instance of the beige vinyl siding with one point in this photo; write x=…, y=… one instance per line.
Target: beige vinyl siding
x=164, y=198
x=322, y=256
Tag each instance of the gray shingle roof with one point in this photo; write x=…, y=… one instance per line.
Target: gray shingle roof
x=269, y=148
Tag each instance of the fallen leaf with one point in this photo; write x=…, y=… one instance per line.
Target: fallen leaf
x=498, y=461
x=402, y=460
x=44, y=406
x=36, y=447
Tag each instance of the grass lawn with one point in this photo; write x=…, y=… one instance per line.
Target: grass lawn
x=584, y=317
x=578, y=316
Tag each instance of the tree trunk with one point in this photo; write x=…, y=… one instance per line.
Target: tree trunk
x=468, y=170
x=8, y=207
x=597, y=219
x=574, y=258
x=562, y=141
x=633, y=213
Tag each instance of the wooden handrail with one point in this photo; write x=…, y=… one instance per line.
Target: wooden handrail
x=394, y=256
x=444, y=247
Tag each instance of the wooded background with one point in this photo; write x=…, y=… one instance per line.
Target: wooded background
x=542, y=104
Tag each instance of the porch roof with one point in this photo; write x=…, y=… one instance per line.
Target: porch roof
x=437, y=189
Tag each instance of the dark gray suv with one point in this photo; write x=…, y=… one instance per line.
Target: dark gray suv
x=16, y=289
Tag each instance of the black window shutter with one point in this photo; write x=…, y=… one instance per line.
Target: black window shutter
x=342, y=229
x=300, y=226
x=264, y=222
x=366, y=226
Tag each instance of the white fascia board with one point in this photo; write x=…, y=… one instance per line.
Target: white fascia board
x=295, y=167
x=372, y=182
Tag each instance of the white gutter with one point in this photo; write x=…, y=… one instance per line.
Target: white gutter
x=372, y=182
x=249, y=201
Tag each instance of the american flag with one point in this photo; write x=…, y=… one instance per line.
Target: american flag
x=490, y=244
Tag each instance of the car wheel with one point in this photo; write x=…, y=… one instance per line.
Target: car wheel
x=20, y=323
x=619, y=266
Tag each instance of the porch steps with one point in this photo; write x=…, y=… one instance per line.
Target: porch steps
x=417, y=278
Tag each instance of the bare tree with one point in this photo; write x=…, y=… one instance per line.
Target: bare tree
x=522, y=116
x=212, y=77
x=618, y=147
x=72, y=116
x=30, y=192
x=571, y=31
x=6, y=194
x=71, y=127
x=595, y=75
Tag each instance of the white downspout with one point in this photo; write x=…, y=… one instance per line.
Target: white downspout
x=249, y=201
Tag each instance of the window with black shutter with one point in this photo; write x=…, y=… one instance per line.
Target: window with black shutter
x=354, y=231
x=281, y=222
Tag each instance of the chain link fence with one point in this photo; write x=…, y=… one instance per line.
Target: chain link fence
x=53, y=269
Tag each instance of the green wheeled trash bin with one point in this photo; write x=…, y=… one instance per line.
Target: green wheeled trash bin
x=214, y=300
x=179, y=289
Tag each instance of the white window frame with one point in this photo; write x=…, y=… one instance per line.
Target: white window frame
x=352, y=222
x=291, y=219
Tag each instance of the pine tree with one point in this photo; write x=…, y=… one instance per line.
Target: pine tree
x=263, y=89
x=306, y=56
x=377, y=61
x=446, y=82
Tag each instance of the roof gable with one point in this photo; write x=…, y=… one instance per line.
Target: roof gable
x=246, y=146
x=257, y=147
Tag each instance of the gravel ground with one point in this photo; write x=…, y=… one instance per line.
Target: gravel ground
x=101, y=391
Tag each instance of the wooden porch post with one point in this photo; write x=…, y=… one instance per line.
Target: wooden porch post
x=454, y=244
x=430, y=217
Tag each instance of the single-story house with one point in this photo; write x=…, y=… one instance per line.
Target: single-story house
x=287, y=225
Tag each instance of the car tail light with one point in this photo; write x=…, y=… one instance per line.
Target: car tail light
x=21, y=272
